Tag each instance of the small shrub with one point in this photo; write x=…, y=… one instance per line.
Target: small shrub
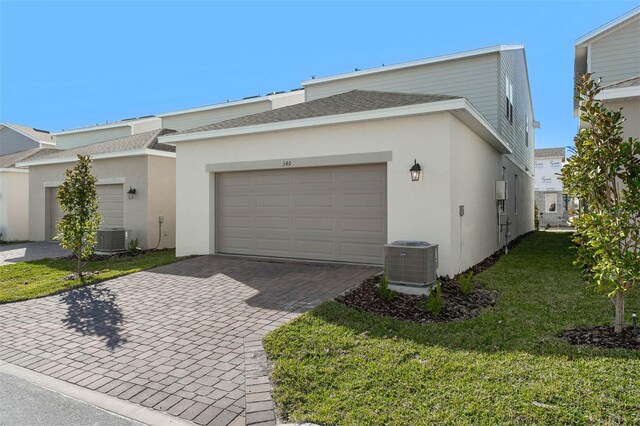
x=466, y=283
x=434, y=301
x=133, y=246
x=536, y=216
x=384, y=291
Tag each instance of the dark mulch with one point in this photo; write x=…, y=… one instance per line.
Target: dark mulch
x=75, y=275
x=456, y=305
x=119, y=255
x=603, y=337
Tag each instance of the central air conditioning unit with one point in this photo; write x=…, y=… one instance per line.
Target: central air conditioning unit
x=411, y=266
x=111, y=239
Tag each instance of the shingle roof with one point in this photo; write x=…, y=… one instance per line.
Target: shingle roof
x=146, y=140
x=10, y=160
x=549, y=152
x=630, y=82
x=39, y=135
x=344, y=103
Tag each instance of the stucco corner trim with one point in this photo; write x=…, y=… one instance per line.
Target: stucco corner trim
x=103, y=181
x=290, y=163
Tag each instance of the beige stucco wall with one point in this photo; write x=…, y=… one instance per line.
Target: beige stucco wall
x=133, y=171
x=631, y=111
x=162, y=201
x=475, y=167
x=415, y=210
x=14, y=205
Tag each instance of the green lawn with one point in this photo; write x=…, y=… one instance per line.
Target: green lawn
x=335, y=365
x=39, y=278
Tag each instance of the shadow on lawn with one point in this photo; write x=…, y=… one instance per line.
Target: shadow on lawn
x=94, y=311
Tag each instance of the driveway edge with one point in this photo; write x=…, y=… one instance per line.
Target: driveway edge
x=108, y=403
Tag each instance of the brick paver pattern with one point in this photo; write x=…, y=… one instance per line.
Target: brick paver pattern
x=184, y=338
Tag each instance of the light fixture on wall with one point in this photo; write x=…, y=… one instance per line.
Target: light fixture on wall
x=415, y=171
x=131, y=192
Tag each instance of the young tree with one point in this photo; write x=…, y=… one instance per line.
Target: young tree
x=604, y=172
x=79, y=202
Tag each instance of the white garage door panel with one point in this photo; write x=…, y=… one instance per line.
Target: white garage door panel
x=328, y=213
x=110, y=207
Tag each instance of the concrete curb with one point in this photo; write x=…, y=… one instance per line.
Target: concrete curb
x=108, y=403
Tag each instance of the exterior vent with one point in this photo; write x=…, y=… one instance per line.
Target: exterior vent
x=113, y=239
x=411, y=265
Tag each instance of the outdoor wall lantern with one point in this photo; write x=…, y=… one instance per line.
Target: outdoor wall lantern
x=131, y=192
x=415, y=171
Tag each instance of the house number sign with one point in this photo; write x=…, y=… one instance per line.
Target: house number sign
x=287, y=163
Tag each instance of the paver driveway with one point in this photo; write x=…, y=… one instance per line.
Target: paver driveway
x=183, y=338
x=22, y=252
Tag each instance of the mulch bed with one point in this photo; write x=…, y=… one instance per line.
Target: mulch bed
x=406, y=307
x=75, y=275
x=603, y=337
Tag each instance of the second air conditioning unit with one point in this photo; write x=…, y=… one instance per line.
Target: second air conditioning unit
x=111, y=239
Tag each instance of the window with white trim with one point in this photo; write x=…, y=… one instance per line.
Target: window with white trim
x=551, y=203
x=508, y=87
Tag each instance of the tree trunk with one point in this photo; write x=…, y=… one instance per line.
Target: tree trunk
x=618, y=300
x=80, y=264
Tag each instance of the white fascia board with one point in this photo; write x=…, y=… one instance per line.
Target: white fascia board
x=12, y=170
x=619, y=93
x=600, y=31
x=460, y=107
x=121, y=154
x=476, y=122
x=216, y=106
x=435, y=59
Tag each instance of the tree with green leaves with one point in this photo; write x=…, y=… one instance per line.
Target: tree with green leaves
x=604, y=172
x=79, y=202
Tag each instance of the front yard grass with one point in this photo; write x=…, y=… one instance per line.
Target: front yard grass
x=39, y=278
x=335, y=365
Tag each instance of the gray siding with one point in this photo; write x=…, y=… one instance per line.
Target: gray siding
x=513, y=66
x=473, y=78
x=616, y=56
x=189, y=120
x=12, y=141
x=74, y=140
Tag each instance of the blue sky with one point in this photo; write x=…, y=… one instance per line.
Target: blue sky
x=70, y=64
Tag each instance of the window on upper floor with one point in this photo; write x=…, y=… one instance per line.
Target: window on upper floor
x=526, y=130
x=508, y=87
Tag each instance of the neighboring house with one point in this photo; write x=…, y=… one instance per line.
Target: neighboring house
x=14, y=195
x=131, y=162
x=612, y=54
x=127, y=156
x=16, y=138
x=554, y=207
x=329, y=179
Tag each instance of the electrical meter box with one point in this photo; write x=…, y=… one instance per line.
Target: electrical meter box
x=502, y=188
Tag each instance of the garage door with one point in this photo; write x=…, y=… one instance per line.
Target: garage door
x=323, y=213
x=110, y=206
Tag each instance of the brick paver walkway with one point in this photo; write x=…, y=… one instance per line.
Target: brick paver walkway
x=22, y=252
x=184, y=338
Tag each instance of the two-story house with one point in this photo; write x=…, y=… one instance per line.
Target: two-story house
x=612, y=54
x=410, y=151
x=554, y=206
